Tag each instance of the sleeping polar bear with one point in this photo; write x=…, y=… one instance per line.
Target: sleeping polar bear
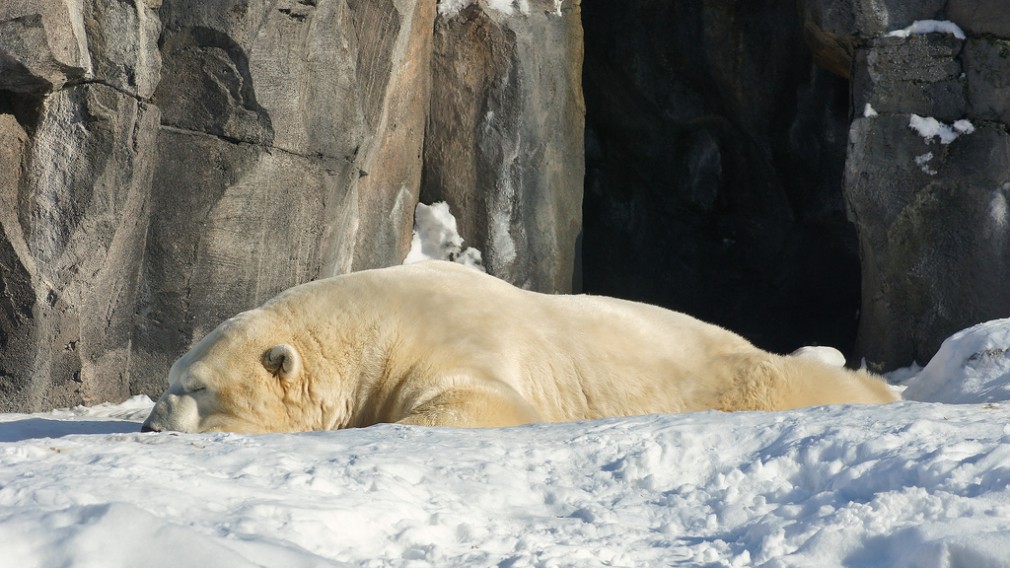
x=439, y=344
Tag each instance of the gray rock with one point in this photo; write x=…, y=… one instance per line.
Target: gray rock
x=934, y=234
x=80, y=144
x=231, y=226
x=42, y=45
x=76, y=245
x=921, y=74
x=980, y=17
x=987, y=65
x=17, y=295
x=289, y=151
x=286, y=151
x=394, y=72
x=45, y=44
x=122, y=38
x=931, y=216
x=835, y=28
x=504, y=145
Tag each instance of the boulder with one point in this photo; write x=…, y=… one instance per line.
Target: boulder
x=981, y=17
x=17, y=294
x=926, y=181
x=231, y=225
x=835, y=28
x=77, y=163
x=395, y=73
x=986, y=63
x=123, y=44
x=921, y=74
x=43, y=45
x=934, y=234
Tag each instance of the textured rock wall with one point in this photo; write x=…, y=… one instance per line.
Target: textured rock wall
x=931, y=213
x=505, y=141
x=164, y=165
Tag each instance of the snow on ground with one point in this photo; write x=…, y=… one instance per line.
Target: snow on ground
x=923, y=484
x=977, y=358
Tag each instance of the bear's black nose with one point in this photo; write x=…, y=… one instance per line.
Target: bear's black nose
x=146, y=428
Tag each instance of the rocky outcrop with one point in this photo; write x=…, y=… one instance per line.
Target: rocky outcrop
x=928, y=169
x=78, y=162
x=715, y=150
x=505, y=135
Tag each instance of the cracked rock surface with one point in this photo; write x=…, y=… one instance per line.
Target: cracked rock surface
x=930, y=210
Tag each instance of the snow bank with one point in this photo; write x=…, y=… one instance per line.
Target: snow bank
x=437, y=238
x=972, y=366
x=920, y=27
x=909, y=484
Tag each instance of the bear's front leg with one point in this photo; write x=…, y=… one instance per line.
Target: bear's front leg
x=471, y=407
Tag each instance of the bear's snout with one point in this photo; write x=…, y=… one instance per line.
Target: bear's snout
x=173, y=413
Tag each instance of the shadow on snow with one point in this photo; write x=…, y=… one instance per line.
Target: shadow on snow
x=31, y=428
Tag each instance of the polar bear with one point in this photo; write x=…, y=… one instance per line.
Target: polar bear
x=439, y=344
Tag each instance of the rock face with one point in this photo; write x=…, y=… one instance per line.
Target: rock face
x=79, y=148
x=931, y=210
x=505, y=136
x=168, y=164
x=715, y=151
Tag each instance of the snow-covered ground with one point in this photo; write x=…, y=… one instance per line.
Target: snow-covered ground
x=923, y=484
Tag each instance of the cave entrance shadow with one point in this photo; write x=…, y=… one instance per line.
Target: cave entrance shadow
x=35, y=428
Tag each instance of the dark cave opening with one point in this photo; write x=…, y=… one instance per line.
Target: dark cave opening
x=715, y=151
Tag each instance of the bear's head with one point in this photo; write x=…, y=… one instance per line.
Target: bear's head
x=239, y=378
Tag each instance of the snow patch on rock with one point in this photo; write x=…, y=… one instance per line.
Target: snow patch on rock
x=930, y=128
x=921, y=27
x=437, y=238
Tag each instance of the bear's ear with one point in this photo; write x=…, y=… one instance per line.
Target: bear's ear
x=283, y=361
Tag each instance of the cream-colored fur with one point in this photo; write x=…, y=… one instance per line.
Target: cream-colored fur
x=439, y=344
